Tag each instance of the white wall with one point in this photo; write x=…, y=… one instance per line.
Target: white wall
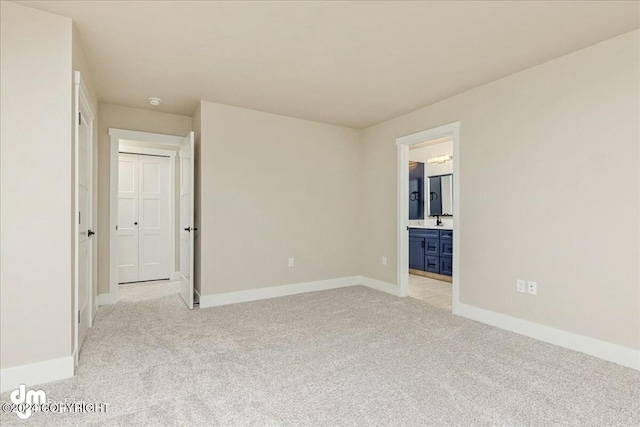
x=36, y=181
x=274, y=187
x=539, y=152
x=117, y=116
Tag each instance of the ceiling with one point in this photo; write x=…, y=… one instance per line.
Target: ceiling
x=348, y=63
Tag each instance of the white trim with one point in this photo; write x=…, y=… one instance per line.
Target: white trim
x=175, y=276
x=379, y=285
x=601, y=349
x=129, y=135
x=104, y=299
x=156, y=138
x=403, y=143
x=36, y=373
x=215, y=300
x=132, y=149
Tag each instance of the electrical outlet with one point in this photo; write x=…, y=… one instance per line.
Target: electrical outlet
x=291, y=262
x=384, y=260
x=532, y=288
x=520, y=286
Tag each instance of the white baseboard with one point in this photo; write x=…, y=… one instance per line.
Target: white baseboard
x=36, y=373
x=379, y=285
x=104, y=299
x=275, y=291
x=601, y=349
x=296, y=288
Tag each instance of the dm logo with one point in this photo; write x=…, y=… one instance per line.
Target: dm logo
x=25, y=400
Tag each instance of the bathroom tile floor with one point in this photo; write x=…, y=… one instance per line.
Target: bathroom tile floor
x=434, y=292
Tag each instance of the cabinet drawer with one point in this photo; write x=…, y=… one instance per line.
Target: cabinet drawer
x=446, y=234
x=432, y=247
x=424, y=232
x=432, y=264
x=446, y=266
x=431, y=233
x=416, y=232
x=446, y=248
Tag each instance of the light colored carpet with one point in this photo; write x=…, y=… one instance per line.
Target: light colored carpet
x=351, y=356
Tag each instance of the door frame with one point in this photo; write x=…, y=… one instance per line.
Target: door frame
x=403, y=143
x=81, y=100
x=117, y=136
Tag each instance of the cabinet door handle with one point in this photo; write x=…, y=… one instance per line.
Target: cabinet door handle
x=422, y=244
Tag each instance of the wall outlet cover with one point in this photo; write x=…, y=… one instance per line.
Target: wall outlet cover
x=384, y=260
x=532, y=288
x=291, y=262
x=521, y=286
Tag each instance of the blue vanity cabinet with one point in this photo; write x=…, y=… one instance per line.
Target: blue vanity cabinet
x=431, y=250
x=432, y=247
x=416, y=253
x=432, y=264
x=446, y=252
x=446, y=266
x=418, y=239
x=446, y=248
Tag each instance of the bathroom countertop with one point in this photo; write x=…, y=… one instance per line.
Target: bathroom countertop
x=435, y=227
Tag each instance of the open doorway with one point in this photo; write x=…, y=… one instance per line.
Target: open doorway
x=428, y=216
x=151, y=215
x=431, y=177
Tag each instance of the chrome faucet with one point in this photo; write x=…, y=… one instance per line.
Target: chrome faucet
x=438, y=221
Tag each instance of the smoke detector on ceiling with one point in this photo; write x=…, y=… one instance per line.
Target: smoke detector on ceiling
x=155, y=101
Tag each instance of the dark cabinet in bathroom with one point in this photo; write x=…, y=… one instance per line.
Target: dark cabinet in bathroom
x=416, y=190
x=431, y=250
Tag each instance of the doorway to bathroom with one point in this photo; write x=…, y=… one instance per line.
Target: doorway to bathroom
x=428, y=216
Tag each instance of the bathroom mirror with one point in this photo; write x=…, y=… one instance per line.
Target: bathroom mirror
x=440, y=195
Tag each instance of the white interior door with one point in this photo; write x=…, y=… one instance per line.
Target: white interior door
x=128, y=218
x=83, y=249
x=154, y=216
x=187, y=229
x=144, y=215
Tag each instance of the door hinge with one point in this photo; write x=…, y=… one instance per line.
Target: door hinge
x=78, y=317
x=79, y=118
x=79, y=213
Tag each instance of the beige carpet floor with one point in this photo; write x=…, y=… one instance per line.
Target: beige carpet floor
x=345, y=357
